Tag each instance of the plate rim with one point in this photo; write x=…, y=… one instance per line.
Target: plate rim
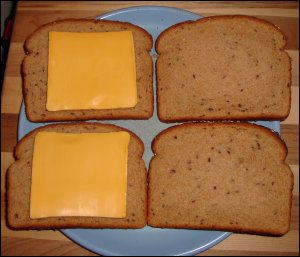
x=145, y=8
x=192, y=252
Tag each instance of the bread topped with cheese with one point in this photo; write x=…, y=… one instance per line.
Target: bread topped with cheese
x=35, y=72
x=220, y=176
x=19, y=181
x=223, y=68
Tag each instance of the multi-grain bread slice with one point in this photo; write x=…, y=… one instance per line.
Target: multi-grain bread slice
x=223, y=68
x=35, y=67
x=19, y=184
x=220, y=176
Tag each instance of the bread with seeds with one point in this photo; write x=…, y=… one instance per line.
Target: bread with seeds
x=35, y=67
x=223, y=68
x=220, y=176
x=19, y=184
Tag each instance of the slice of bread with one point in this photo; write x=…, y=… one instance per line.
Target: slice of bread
x=35, y=67
x=220, y=176
x=19, y=183
x=223, y=68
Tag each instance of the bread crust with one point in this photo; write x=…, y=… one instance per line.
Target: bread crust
x=81, y=115
x=236, y=228
x=206, y=19
x=244, y=117
x=27, y=49
x=13, y=213
x=268, y=131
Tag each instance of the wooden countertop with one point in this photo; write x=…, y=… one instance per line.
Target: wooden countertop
x=31, y=15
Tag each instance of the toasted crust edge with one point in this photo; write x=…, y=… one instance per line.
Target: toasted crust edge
x=229, y=117
x=237, y=229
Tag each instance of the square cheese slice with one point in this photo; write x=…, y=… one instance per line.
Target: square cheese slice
x=79, y=175
x=91, y=71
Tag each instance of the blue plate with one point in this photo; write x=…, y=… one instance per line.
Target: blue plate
x=147, y=241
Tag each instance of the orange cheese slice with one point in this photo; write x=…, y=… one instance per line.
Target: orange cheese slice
x=91, y=71
x=79, y=175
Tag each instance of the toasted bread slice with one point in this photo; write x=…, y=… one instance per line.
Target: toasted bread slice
x=220, y=176
x=35, y=67
x=19, y=184
x=223, y=68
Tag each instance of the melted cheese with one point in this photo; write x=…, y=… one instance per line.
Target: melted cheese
x=79, y=175
x=91, y=71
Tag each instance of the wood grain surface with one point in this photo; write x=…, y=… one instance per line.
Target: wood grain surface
x=31, y=15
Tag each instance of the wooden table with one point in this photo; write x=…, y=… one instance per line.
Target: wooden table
x=31, y=15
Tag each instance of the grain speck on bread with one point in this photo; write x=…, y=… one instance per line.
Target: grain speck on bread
x=223, y=68
x=220, y=176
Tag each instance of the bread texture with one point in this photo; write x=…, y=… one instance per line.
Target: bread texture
x=223, y=68
x=19, y=184
x=220, y=176
x=35, y=69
